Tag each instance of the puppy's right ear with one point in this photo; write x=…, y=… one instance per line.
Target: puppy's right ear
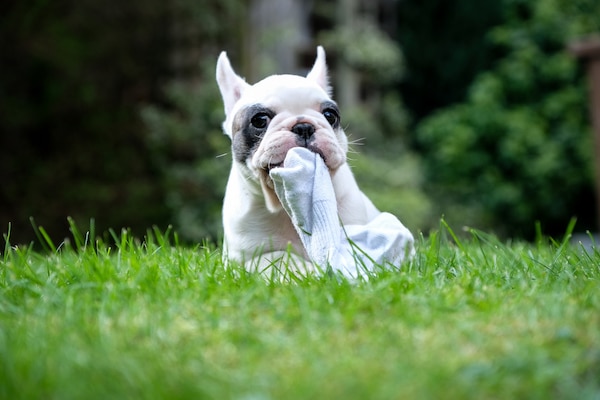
x=230, y=84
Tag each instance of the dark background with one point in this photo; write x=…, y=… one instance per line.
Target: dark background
x=109, y=110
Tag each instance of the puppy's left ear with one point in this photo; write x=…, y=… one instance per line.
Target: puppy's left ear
x=230, y=84
x=318, y=73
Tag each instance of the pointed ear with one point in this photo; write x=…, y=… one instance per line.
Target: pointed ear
x=318, y=73
x=230, y=84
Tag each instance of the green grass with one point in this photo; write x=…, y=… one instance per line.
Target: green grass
x=468, y=318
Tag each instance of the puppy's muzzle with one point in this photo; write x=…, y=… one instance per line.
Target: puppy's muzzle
x=304, y=132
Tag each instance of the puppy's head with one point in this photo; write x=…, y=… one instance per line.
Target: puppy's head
x=267, y=119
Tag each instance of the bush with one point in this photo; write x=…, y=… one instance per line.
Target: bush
x=386, y=169
x=73, y=73
x=518, y=150
x=193, y=155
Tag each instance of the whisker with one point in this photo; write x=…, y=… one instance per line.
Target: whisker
x=355, y=144
x=358, y=141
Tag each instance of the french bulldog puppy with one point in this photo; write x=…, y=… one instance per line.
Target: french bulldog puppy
x=289, y=149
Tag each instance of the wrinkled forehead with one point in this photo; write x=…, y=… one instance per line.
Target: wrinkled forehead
x=294, y=93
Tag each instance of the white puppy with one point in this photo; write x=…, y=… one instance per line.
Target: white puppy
x=291, y=195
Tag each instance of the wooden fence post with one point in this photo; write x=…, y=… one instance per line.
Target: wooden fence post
x=588, y=49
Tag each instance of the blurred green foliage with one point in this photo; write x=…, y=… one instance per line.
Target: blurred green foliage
x=445, y=45
x=366, y=48
x=392, y=178
x=193, y=154
x=72, y=74
x=518, y=150
x=110, y=110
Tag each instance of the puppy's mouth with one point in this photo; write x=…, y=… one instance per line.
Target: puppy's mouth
x=270, y=166
x=279, y=164
x=318, y=151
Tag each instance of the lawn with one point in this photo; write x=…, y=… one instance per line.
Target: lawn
x=149, y=318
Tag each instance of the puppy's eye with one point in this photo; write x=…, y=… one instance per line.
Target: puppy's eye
x=331, y=116
x=260, y=120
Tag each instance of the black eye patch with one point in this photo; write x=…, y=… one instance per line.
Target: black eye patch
x=249, y=127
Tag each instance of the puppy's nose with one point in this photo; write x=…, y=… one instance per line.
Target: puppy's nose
x=304, y=130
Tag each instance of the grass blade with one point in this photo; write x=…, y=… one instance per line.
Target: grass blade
x=6, y=243
x=77, y=236
x=43, y=237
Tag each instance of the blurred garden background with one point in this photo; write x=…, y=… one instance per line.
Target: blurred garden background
x=473, y=109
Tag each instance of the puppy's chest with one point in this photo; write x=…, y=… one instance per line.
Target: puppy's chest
x=280, y=227
x=275, y=231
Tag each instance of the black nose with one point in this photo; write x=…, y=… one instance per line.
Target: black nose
x=304, y=130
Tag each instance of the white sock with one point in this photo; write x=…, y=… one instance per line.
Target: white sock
x=305, y=190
